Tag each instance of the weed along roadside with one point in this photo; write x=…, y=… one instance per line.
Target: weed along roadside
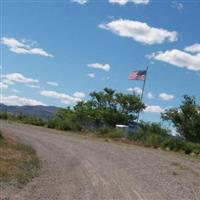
x=19, y=163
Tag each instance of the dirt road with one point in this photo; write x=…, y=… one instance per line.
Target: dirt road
x=74, y=167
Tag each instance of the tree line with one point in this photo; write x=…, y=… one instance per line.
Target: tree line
x=104, y=109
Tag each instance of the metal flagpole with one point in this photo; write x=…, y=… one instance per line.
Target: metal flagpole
x=141, y=97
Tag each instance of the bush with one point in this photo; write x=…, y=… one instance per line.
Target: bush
x=153, y=140
x=103, y=132
x=172, y=144
x=115, y=134
x=164, y=141
x=1, y=135
x=153, y=127
x=191, y=148
x=110, y=132
x=65, y=125
x=178, y=145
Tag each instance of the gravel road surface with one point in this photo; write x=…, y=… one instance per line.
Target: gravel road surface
x=75, y=167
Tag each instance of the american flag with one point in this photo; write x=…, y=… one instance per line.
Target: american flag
x=137, y=75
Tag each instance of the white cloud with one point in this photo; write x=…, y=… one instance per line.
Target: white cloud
x=17, y=77
x=140, y=31
x=180, y=58
x=105, y=67
x=3, y=85
x=15, y=90
x=177, y=5
x=64, y=98
x=195, y=48
x=123, y=2
x=33, y=86
x=19, y=101
x=39, y=51
x=150, y=95
x=136, y=90
x=91, y=75
x=166, y=97
x=23, y=47
x=52, y=83
x=82, y=2
x=153, y=109
x=80, y=95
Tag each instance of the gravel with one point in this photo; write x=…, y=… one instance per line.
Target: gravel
x=79, y=168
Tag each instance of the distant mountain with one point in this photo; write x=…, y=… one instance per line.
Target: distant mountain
x=44, y=112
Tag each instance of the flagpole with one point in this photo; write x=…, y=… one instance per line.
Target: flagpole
x=141, y=97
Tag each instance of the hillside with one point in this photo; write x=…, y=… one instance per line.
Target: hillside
x=44, y=112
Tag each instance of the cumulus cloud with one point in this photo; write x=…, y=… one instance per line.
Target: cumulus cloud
x=3, y=85
x=136, y=90
x=52, y=83
x=91, y=75
x=105, y=67
x=64, y=98
x=19, y=101
x=166, y=97
x=177, y=5
x=195, y=48
x=82, y=2
x=123, y=2
x=23, y=47
x=189, y=58
x=150, y=95
x=33, y=86
x=79, y=95
x=10, y=79
x=139, y=31
x=153, y=109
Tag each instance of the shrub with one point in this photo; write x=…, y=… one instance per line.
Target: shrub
x=115, y=134
x=153, y=140
x=191, y=147
x=103, y=132
x=172, y=144
x=153, y=127
x=67, y=124
x=1, y=135
x=110, y=132
x=178, y=145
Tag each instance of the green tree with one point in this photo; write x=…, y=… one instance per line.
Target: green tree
x=186, y=119
x=104, y=109
x=108, y=108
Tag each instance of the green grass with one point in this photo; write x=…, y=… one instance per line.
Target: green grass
x=17, y=161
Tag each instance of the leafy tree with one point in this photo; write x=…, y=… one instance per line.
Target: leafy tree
x=107, y=108
x=186, y=119
x=85, y=115
x=104, y=109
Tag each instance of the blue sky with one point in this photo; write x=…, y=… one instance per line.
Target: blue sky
x=57, y=52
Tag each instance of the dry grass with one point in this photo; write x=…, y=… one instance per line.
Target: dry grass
x=17, y=161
